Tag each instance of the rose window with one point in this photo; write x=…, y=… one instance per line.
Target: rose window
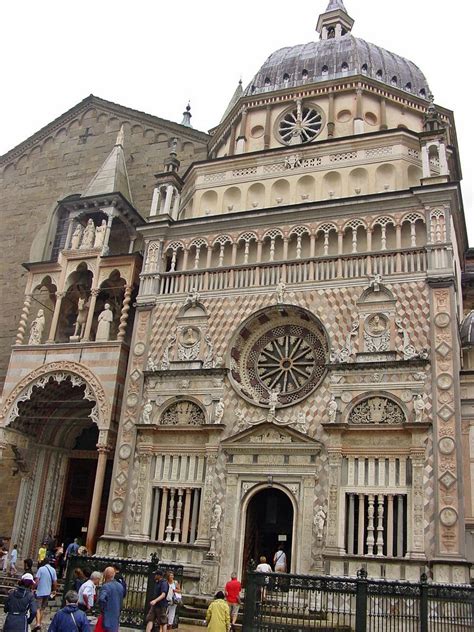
x=300, y=125
x=282, y=350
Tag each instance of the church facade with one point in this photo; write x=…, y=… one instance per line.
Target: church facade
x=264, y=350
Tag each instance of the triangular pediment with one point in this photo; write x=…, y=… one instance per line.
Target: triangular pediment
x=268, y=436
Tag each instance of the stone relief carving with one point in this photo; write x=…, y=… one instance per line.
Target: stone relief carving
x=408, y=350
x=59, y=371
x=376, y=334
x=377, y=410
x=280, y=292
x=183, y=413
x=347, y=351
x=216, y=516
x=165, y=362
x=209, y=360
x=147, y=412
x=192, y=299
x=320, y=522
x=189, y=340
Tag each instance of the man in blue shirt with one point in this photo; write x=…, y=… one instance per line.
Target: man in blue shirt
x=110, y=601
x=46, y=585
x=72, y=549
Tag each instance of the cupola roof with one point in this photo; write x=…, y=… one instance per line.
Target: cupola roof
x=337, y=54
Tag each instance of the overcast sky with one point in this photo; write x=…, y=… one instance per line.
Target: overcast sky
x=154, y=55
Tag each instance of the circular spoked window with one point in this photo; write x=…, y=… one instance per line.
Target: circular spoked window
x=282, y=351
x=300, y=125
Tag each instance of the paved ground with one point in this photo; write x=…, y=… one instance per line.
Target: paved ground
x=182, y=628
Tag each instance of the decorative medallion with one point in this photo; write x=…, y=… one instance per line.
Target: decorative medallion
x=446, y=445
x=448, y=479
x=281, y=351
x=125, y=451
x=376, y=325
x=139, y=349
x=132, y=400
x=442, y=319
x=300, y=125
x=406, y=396
x=346, y=397
x=448, y=516
x=117, y=506
x=445, y=381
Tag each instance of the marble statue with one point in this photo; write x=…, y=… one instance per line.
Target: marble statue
x=376, y=283
x=76, y=238
x=37, y=328
x=301, y=423
x=192, y=299
x=146, y=413
x=320, y=521
x=280, y=292
x=332, y=409
x=216, y=516
x=219, y=411
x=419, y=405
x=80, y=324
x=273, y=402
x=105, y=319
x=99, y=237
x=88, y=235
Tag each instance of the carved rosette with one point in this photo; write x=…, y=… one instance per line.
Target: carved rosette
x=445, y=442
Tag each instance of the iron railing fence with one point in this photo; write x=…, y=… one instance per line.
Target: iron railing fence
x=280, y=603
x=139, y=576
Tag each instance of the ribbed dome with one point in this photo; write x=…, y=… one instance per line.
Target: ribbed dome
x=335, y=58
x=467, y=330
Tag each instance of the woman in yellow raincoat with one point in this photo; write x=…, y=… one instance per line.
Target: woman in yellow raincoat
x=218, y=614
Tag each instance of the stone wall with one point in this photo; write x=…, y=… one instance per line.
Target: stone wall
x=60, y=160
x=10, y=486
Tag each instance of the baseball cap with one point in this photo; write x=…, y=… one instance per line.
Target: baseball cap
x=27, y=578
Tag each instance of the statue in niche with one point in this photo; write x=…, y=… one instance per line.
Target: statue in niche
x=319, y=522
x=80, y=324
x=76, y=238
x=37, y=328
x=216, y=516
x=332, y=410
x=146, y=413
x=88, y=236
x=106, y=318
x=419, y=406
x=219, y=411
x=99, y=237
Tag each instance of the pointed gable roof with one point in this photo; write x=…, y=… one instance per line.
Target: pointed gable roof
x=112, y=176
x=235, y=97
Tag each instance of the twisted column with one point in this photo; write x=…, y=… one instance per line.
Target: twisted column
x=23, y=319
x=127, y=297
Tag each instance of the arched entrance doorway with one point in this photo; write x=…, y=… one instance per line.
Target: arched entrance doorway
x=268, y=523
x=54, y=435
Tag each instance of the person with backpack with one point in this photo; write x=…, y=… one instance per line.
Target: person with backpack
x=70, y=618
x=46, y=586
x=20, y=606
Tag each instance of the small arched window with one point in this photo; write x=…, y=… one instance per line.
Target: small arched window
x=394, y=81
x=345, y=66
x=286, y=79
x=365, y=69
x=304, y=74
x=408, y=87
x=422, y=92
x=324, y=71
x=267, y=81
x=379, y=74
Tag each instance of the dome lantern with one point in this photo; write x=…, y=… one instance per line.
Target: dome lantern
x=335, y=21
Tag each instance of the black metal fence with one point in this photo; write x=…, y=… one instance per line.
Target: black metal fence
x=279, y=603
x=139, y=576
